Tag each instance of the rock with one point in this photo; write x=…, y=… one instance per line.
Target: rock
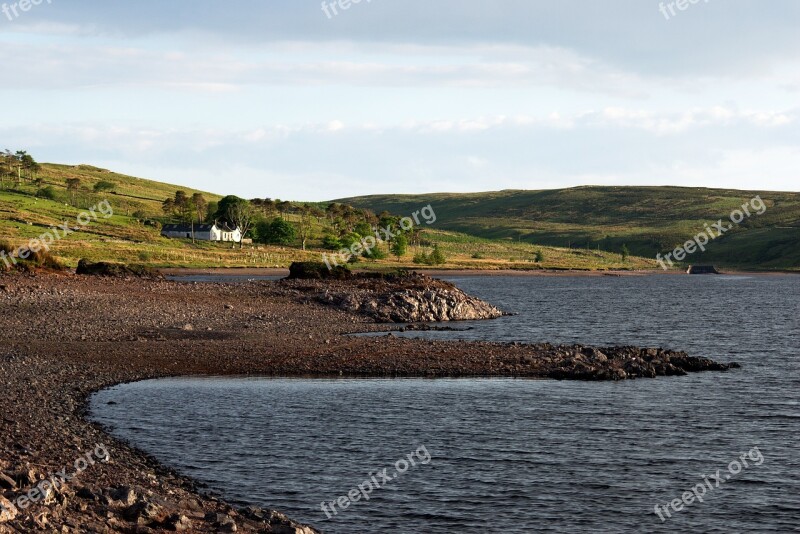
x=7, y=510
x=102, y=268
x=7, y=482
x=123, y=494
x=310, y=270
x=400, y=297
x=86, y=493
x=178, y=523
x=226, y=523
x=142, y=512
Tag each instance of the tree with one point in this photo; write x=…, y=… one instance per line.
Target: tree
x=437, y=257
x=276, y=232
x=399, y=246
x=199, y=205
x=73, y=185
x=240, y=213
x=538, y=256
x=183, y=205
x=305, y=227
x=211, y=211
x=104, y=186
x=625, y=252
x=168, y=207
x=283, y=207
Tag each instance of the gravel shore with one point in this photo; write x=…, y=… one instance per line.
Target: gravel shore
x=66, y=336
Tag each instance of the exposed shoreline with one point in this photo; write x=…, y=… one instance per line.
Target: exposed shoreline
x=68, y=336
x=268, y=271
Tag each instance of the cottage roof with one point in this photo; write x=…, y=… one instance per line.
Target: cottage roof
x=186, y=228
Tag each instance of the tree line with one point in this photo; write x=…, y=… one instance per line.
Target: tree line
x=278, y=222
x=17, y=168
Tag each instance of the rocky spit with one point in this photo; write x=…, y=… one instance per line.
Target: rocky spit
x=406, y=298
x=66, y=336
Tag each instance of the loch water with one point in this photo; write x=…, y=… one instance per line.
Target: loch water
x=517, y=455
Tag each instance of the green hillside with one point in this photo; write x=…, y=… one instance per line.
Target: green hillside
x=648, y=220
x=36, y=199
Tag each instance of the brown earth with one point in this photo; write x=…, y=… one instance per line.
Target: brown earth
x=66, y=336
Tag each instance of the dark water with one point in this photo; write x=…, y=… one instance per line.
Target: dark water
x=518, y=455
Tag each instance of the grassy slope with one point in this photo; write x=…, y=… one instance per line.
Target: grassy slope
x=647, y=219
x=123, y=238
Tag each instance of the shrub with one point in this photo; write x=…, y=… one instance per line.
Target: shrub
x=48, y=192
x=421, y=258
x=538, y=256
x=437, y=257
x=375, y=253
x=477, y=256
x=331, y=242
x=103, y=186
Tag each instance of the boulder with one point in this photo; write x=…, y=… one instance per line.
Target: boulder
x=311, y=270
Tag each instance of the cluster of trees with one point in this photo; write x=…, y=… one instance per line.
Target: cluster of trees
x=184, y=208
x=436, y=257
x=284, y=223
x=16, y=168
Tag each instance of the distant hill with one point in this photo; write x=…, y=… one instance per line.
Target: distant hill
x=648, y=220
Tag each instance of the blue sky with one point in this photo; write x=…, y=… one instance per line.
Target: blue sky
x=273, y=98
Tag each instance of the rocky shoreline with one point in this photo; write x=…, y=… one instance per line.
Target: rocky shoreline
x=66, y=336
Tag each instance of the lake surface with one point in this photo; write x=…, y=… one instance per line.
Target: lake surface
x=517, y=455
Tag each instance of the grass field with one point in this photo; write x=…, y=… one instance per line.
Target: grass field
x=649, y=220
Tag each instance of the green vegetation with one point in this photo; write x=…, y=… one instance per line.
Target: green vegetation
x=583, y=228
x=647, y=220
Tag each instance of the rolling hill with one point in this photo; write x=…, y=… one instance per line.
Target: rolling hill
x=648, y=220
x=132, y=234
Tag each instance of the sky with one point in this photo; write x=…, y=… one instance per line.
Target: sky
x=287, y=99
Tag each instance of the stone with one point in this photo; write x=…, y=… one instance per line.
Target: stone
x=226, y=523
x=178, y=523
x=123, y=494
x=142, y=512
x=7, y=510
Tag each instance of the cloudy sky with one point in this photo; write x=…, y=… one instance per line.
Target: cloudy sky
x=276, y=98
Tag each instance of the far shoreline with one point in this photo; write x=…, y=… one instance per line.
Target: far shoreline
x=271, y=271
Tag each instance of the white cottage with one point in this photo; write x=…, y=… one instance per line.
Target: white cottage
x=203, y=232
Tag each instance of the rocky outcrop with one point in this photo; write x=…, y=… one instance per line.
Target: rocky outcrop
x=115, y=269
x=579, y=362
x=310, y=270
x=396, y=298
